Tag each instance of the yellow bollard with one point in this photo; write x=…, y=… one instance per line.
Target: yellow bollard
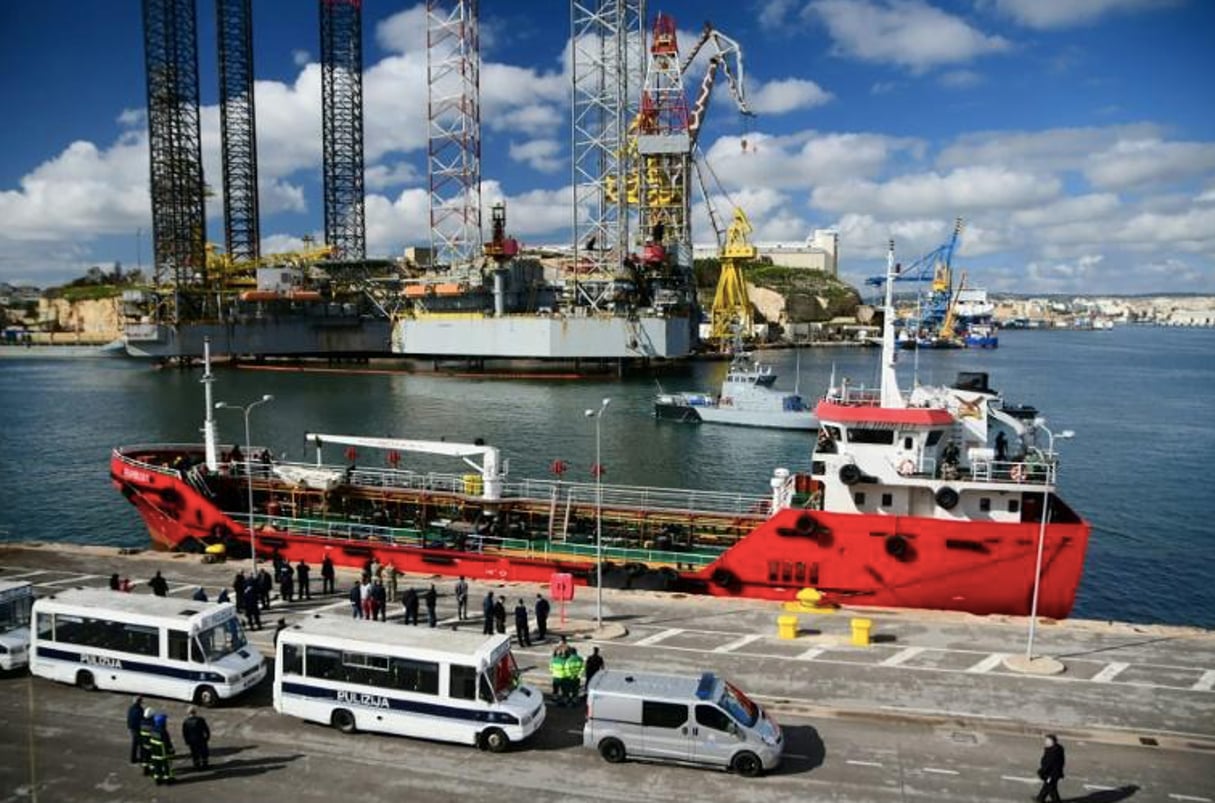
x=786, y=626
x=860, y=632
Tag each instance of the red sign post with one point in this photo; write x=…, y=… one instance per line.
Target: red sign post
x=561, y=589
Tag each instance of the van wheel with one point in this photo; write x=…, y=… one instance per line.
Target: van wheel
x=84, y=679
x=206, y=696
x=495, y=740
x=747, y=765
x=612, y=751
x=343, y=720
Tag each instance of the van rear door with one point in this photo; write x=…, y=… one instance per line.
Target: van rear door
x=666, y=731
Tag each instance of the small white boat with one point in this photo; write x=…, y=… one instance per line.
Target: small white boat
x=747, y=399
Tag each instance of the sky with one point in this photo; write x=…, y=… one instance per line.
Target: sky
x=1076, y=138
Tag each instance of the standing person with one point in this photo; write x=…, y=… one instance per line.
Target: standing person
x=162, y=750
x=146, y=726
x=265, y=584
x=379, y=597
x=556, y=668
x=134, y=720
x=356, y=599
x=500, y=614
x=542, y=609
x=594, y=663
x=1001, y=447
x=114, y=584
x=286, y=585
x=393, y=577
x=301, y=572
x=196, y=735
x=462, y=598
x=375, y=569
x=159, y=586
x=411, y=606
x=573, y=675
x=1050, y=770
x=366, y=599
x=431, y=597
x=238, y=588
x=327, y=576
x=521, y=629
x=487, y=610
x=253, y=614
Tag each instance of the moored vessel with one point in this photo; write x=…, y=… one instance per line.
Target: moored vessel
x=748, y=398
x=941, y=498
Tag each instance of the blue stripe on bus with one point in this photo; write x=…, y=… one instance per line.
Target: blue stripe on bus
x=105, y=662
x=371, y=700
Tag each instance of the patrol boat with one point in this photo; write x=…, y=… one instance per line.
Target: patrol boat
x=906, y=503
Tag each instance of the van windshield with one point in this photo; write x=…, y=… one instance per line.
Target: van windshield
x=504, y=676
x=223, y=639
x=738, y=705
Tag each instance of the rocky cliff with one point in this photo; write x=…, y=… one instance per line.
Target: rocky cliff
x=786, y=295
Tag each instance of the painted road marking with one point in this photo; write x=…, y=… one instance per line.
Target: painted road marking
x=940, y=772
x=1206, y=682
x=742, y=642
x=1020, y=779
x=1110, y=672
x=1190, y=797
x=659, y=636
x=1096, y=787
x=811, y=654
x=864, y=763
x=905, y=654
x=22, y=575
x=939, y=712
x=78, y=579
x=176, y=589
x=989, y=663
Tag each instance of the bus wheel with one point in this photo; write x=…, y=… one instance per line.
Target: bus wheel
x=206, y=697
x=612, y=751
x=748, y=765
x=495, y=740
x=84, y=679
x=343, y=720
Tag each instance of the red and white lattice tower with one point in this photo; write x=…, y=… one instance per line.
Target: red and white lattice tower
x=453, y=67
x=664, y=147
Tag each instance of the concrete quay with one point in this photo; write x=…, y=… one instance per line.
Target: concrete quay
x=1135, y=704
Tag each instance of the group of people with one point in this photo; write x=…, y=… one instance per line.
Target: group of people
x=566, y=667
x=152, y=744
x=493, y=609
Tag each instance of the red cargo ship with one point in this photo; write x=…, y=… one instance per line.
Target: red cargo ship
x=943, y=498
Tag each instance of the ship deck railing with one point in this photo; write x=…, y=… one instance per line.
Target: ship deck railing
x=437, y=537
x=1034, y=469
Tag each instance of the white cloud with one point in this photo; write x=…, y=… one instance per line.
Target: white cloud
x=280, y=196
x=1062, y=276
x=1131, y=163
x=383, y=176
x=1048, y=150
x=404, y=32
x=803, y=160
x=775, y=14
x=961, y=79
x=786, y=95
x=1053, y=14
x=909, y=33
x=961, y=190
x=544, y=155
x=1096, y=206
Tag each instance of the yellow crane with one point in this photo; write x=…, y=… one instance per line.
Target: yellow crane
x=731, y=315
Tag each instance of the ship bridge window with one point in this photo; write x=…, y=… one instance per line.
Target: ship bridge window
x=879, y=436
x=1014, y=505
x=984, y=504
x=887, y=500
x=908, y=443
x=859, y=498
x=934, y=437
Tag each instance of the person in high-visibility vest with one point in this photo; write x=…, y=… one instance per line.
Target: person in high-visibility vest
x=146, y=726
x=556, y=668
x=162, y=750
x=573, y=676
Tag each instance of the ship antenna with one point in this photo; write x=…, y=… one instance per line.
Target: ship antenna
x=210, y=436
x=891, y=397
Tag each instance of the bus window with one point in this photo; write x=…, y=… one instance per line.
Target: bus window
x=179, y=645
x=46, y=629
x=323, y=663
x=462, y=681
x=293, y=660
x=223, y=639
x=70, y=630
x=416, y=676
x=364, y=669
x=140, y=639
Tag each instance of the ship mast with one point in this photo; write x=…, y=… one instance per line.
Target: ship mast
x=891, y=396
x=210, y=436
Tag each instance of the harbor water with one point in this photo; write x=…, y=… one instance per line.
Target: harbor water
x=1139, y=399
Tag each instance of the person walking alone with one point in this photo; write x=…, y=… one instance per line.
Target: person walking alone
x=487, y=610
x=542, y=609
x=1050, y=770
x=327, y=576
x=134, y=720
x=462, y=598
x=594, y=663
x=521, y=628
x=431, y=598
x=197, y=735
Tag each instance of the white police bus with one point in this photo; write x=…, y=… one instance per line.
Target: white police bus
x=16, y=597
x=161, y=646
x=421, y=682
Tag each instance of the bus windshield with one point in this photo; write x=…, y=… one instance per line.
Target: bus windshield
x=15, y=613
x=504, y=676
x=222, y=639
x=739, y=705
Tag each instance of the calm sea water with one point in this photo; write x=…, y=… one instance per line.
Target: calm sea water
x=1139, y=399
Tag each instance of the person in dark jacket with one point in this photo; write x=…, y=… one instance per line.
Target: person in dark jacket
x=301, y=573
x=1050, y=770
x=238, y=589
x=197, y=735
x=594, y=663
x=487, y=610
x=286, y=586
x=115, y=584
x=542, y=609
x=253, y=614
x=379, y=596
x=134, y=720
x=265, y=584
x=356, y=600
x=160, y=586
x=500, y=614
x=431, y=596
x=327, y=576
x=410, y=600
x=521, y=628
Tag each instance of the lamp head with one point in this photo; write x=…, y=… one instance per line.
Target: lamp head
x=220, y=405
x=1067, y=433
x=267, y=398
x=604, y=405
x=589, y=413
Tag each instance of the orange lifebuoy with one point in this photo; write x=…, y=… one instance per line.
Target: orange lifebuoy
x=1017, y=472
x=907, y=467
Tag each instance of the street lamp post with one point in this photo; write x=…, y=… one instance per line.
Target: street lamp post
x=1046, y=493
x=598, y=416
x=246, y=409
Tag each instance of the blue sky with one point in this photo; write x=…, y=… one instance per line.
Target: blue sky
x=1076, y=137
